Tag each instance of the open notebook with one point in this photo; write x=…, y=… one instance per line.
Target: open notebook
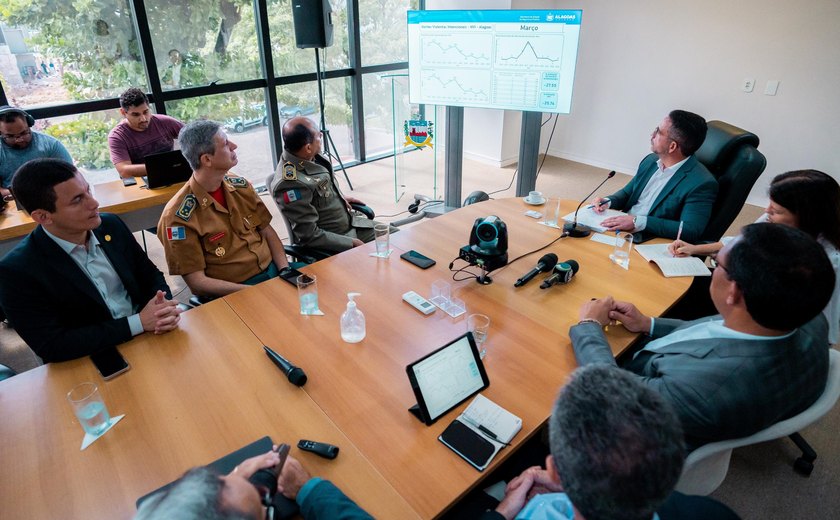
x=672, y=266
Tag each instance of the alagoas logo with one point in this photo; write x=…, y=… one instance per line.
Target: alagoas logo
x=419, y=133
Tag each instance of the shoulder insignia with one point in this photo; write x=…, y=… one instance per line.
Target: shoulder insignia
x=187, y=206
x=289, y=172
x=236, y=182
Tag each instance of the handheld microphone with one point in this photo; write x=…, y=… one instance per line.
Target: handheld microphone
x=296, y=375
x=576, y=230
x=546, y=264
x=563, y=273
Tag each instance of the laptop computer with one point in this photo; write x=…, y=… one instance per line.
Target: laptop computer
x=166, y=168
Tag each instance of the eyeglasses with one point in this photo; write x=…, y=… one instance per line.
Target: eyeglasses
x=715, y=263
x=17, y=137
x=657, y=131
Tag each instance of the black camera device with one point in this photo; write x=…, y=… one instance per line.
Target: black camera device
x=488, y=244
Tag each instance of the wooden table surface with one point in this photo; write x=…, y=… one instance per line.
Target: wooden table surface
x=190, y=397
x=363, y=387
x=113, y=197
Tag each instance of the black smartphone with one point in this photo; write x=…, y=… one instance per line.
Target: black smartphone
x=129, y=181
x=109, y=362
x=469, y=445
x=290, y=275
x=420, y=260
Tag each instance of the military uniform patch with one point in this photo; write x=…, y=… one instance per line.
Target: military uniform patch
x=237, y=182
x=176, y=233
x=291, y=196
x=289, y=172
x=187, y=207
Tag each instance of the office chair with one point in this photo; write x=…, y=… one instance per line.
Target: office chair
x=730, y=154
x=706, y=467
x=310, y=255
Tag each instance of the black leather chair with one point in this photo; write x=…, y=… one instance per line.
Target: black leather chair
x=731, y=155
x=310, y=255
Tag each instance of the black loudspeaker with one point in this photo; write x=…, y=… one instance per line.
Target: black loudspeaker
x=313, y=23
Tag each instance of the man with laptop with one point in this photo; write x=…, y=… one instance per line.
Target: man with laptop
x=140, y=134
x=216, y=232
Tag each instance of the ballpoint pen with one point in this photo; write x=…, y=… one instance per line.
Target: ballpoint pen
x=679, y=230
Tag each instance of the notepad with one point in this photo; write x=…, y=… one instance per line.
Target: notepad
x=589, y=218
x=672, y=266
x=481, y=430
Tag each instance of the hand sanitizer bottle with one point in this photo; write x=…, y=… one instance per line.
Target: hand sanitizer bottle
x=352, y=321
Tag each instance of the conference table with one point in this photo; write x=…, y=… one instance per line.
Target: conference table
x=138, y=207
x=207, y=389
x=363, y=387
x=190, y=397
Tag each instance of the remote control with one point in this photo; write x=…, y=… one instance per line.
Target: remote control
x=418, y=302
x=328, y=451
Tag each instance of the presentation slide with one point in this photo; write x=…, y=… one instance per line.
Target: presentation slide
x=506, y=59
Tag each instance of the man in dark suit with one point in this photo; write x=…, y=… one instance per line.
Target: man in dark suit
x=79, y=283
x=763, y=359
x=670, y=186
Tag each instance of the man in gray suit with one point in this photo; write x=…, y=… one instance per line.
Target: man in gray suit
x=763, y=359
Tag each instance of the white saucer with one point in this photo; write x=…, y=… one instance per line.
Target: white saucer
x=538, y=202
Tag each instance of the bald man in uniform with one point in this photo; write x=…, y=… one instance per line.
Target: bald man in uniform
x=305, y=190
x=216, y=232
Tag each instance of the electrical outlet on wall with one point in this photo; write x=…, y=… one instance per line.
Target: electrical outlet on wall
x=748, y=85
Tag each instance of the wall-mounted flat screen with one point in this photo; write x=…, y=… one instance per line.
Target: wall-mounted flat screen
x=505, y=59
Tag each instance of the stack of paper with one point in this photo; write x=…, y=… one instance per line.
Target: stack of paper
x=589, y=218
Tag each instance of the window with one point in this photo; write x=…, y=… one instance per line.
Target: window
x=382, y=24
x=86, y=138
x=72, y=51
x=201, y=42
x=244, y=118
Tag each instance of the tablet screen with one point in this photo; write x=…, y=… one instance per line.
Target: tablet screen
x=447, y=377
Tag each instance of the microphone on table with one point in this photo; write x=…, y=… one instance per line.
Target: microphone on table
x=295, y=375
x=576, y=230
x=546, y=264
x=563, y=273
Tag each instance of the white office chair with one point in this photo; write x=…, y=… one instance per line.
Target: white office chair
x=706, y=467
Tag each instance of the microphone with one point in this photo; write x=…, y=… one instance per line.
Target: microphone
x=563, y=273
x=576, y=230
x=546, y=264
x=296, y=375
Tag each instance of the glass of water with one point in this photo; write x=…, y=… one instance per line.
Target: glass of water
x=381, y=233
x=89, y=407
x=552, y=212
x=479, y=325
x=623, y=246
x=308, y=294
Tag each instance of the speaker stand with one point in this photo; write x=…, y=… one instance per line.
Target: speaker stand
x=329, y=145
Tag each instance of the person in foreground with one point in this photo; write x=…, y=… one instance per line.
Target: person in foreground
x=21, y=144
x=670, y=186
x=763, y=359
x=79, y=282
x=202, y=494
x=305, y=190
x=141, y=133
x=216, y=232
x=616, y=453
x=805, y=199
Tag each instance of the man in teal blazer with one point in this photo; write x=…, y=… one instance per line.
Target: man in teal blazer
x=670, y=186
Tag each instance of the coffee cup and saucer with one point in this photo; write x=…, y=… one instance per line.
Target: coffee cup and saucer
x=534, y=198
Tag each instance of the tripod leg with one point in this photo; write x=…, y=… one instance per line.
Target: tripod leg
x=331, y=144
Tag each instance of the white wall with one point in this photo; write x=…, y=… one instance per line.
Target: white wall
x=638, y=60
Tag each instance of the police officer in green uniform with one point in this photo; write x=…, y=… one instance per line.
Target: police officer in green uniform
x=304, y=188
x=216, y=232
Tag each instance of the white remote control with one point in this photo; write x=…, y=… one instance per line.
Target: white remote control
x=418, y=302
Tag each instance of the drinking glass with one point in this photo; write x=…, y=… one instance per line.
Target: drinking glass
x=308, y=294
x=623, y=246
x=381, y=233
x=89, y=408
x=479, y=325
